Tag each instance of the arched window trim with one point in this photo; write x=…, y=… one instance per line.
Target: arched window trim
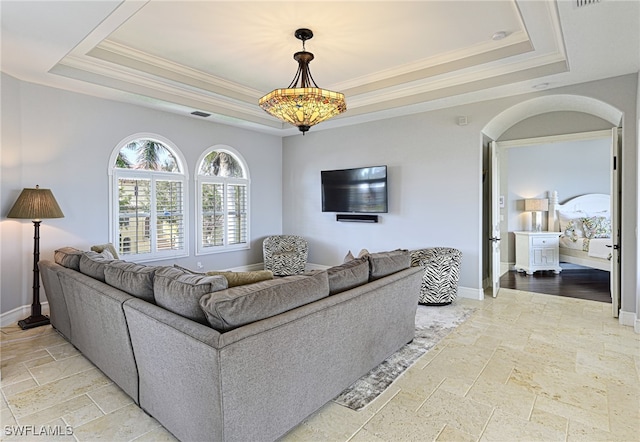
x=182, y=175
x=200, y=179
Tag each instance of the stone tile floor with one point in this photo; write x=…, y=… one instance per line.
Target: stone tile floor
x=524, y=367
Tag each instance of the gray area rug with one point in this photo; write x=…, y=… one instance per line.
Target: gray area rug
x=432, y=324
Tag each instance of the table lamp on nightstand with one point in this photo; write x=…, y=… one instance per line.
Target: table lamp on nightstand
x=536, y=206
x=35, y=204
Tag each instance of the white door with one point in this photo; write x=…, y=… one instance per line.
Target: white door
x=494, y=238
x=616, y=172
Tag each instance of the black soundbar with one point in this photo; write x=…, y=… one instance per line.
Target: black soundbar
x=357, y=218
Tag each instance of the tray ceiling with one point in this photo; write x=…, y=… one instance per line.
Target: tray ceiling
x=388, y=58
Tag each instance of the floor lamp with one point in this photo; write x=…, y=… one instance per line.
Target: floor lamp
x=35, y=204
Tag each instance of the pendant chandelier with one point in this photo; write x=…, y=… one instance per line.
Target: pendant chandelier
x=303, y=103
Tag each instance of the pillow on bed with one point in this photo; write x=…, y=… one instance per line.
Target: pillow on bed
x=571, y=224
x=597, y=227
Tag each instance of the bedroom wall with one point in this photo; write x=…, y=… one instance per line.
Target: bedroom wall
x=435, y=180
x=62, y=141
x=571, y=168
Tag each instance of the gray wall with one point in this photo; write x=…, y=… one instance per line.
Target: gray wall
x=572, y=168
x=62, y=141
x=434, y=182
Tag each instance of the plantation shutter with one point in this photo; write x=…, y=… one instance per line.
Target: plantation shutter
x=237, y=213
x=212, y=214
x=169, y=215
x=134, y=202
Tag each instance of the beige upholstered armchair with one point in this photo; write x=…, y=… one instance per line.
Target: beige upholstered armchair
x=285, y=254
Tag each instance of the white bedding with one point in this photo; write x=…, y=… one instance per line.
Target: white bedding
x=600, y=248
x=595, y=247
x=584, y=222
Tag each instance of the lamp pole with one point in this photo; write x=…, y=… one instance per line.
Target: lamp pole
x=37, y=318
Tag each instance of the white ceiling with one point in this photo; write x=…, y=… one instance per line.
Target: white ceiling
x=388, y=57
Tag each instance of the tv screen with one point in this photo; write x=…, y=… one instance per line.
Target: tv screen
x=360, y=190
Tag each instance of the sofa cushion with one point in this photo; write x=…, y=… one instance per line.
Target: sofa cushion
x=348, y=275
x=93, y=264
x=68, y=257
x=108, y=246
x=242, y=278
x=179, y=291
x=131, y=278
x=237, y=306
x=385, y=263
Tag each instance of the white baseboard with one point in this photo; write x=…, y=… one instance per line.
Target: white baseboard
x=468, y=292
x=629, y=319
x=13, y=316
x=247, y=268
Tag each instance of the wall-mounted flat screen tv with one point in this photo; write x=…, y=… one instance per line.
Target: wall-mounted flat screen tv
x=360, y=190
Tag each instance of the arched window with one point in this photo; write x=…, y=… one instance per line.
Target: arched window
x=223, y=201
x=148, y=199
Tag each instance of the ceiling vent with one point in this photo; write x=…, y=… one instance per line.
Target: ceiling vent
x=200, y=114
x=581, y=3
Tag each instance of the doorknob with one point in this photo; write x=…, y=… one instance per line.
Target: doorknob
x=494, y=239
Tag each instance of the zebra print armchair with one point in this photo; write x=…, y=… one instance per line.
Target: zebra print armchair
x=285, y=254
x=441, y=274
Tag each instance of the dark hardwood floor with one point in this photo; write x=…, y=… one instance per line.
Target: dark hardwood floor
x=585, y=283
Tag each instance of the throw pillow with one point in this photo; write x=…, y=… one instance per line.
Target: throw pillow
x=93, y=264
x=134, y=279
x=597, y=227
x=348, y=275
x=108, y=246
x=386, y=263
x=68, y=257
x=348, y=257
x=242, y=278
x=179, y=291
x=237, y=306
x=363, y=252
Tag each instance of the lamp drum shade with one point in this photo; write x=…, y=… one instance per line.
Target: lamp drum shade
x=536, y=205
x=35, y=204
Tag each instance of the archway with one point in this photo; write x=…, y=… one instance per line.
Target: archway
x=518, y=113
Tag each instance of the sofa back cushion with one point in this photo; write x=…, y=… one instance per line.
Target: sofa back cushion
x=180, y=291
x=385, y=263
x=93, y=264
x=237, y=306
x=68, y=257
x=131, y=278
x=351, y=274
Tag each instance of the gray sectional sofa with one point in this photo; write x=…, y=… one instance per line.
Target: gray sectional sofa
x=252, y=361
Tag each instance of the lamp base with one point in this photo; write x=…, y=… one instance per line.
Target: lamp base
x=33, y=321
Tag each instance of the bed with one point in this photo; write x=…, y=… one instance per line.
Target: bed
x=585, y=226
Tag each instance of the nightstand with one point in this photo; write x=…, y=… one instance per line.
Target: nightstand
x=537, y=251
